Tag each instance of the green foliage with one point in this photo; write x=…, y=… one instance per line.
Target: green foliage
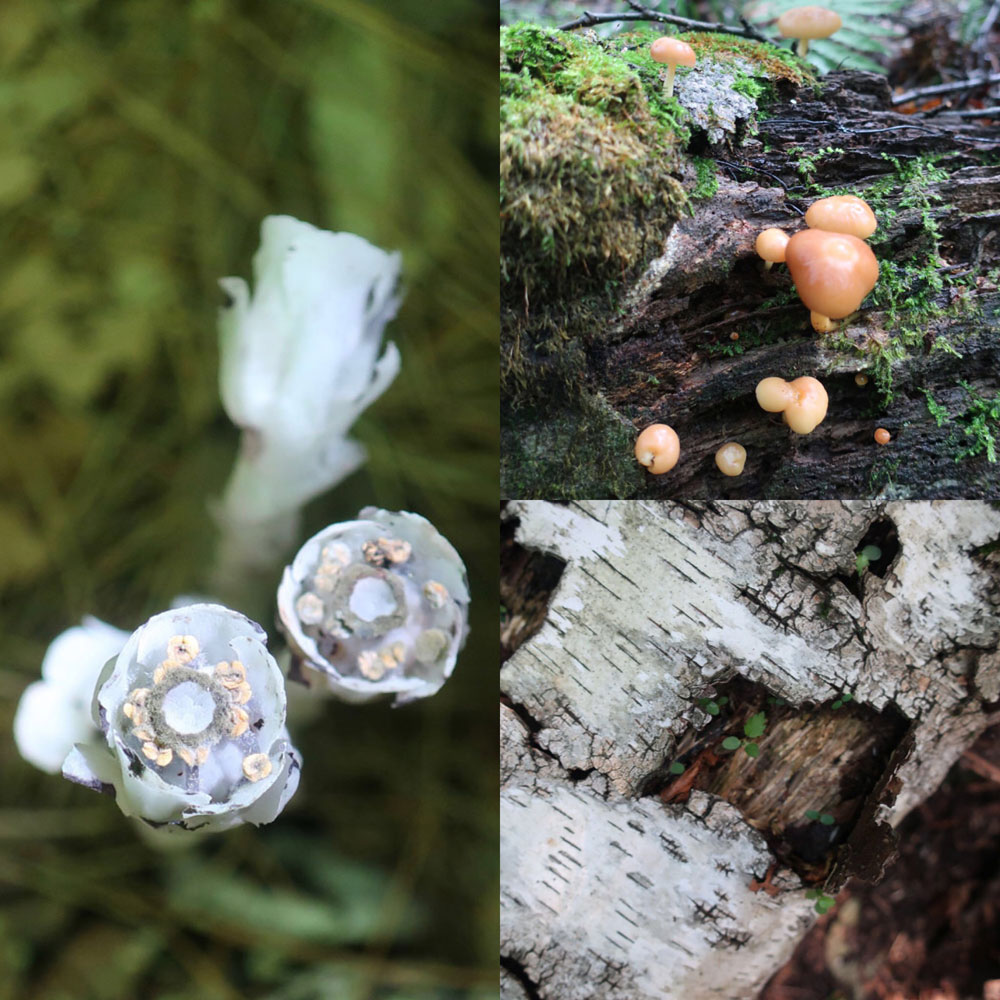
x=712, y=705
x=677, y=767
x=868, y=555
x=824, y=903
x=979, y=422
x=846, y=697
x=142, y=144
x=825, y=818
x=753, y=729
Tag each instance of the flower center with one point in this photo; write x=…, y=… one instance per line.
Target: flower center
x=188, y=708
x=372, y=598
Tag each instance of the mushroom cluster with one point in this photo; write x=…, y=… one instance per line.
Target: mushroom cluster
x=802, y=402
x=832, y=266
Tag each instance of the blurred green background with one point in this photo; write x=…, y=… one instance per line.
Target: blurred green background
x=141, y=144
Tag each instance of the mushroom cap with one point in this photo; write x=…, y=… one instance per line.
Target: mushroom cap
x=808, y=407
x=833, y=272
x=808, y=22
x=672, y=51
x=882, y=436
x=843, y=213
x=658, y=448
x=771, y=245
x=730, y=458
x=774, y=394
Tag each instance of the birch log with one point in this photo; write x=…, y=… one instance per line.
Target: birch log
x=609, y=894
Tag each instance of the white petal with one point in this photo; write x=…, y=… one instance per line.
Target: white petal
x=46, y=725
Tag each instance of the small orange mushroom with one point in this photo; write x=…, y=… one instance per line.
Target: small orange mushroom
x=673, y=52
x=731, y=458
x=658, y=448
x=843, y=213
x=861, y=379
x=882, y=436
x=770, y=245
x=807, y=23
x=833, y=272
x=774, y=394
x=802, y=402
x=807, y=410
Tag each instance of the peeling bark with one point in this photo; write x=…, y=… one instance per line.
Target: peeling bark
x=659, y=605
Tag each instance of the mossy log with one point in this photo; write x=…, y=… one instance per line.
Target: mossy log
x=694, y=321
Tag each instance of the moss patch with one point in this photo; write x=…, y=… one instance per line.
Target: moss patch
x=564, y=455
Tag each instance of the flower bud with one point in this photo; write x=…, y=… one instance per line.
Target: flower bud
x=376, y=606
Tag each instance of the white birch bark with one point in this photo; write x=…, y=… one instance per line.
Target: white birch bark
x=605, y=894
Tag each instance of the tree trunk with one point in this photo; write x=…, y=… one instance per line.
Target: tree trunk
x=674, y=628
x=687, y=337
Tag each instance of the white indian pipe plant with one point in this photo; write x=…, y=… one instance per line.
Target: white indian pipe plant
x=191, y=714
x=301, y=358
x=375, y=607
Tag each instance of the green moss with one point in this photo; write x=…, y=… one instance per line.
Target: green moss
x=978, y=422
x=707, y=180
x=774, y=63
x=588, y=150
x=565, y=455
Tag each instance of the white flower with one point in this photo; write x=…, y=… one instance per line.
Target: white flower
x=193, y=719
x=300, y=361
x=376, y=606
x=55, y=712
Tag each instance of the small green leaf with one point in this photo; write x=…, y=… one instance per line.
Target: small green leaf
x=732, y=743
x=812, y=814
x=862, y=564
x=723, y=700
x=712, y=708
x=839, y=703
x=827, y=820
x=755, y=725
x=871, y=553
x=677, y=767
x=824, y=903
x=752, y=750
x=847, y=697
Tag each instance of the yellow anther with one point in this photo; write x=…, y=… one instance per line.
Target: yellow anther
x=127, y=709
x=183, y=648
x=143, y=734
x=151, y=750
x=165, y=758
x=257, y=766
x=230, y=675
x=386, y=550
x=242, y=694
x=334, y=554
x=186, y=756
x=241, y=722
x=371, y=666
x=436, y=594
x=202, y=755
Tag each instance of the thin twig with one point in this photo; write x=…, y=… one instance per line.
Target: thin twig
x=639, y=13
x=945, y=88
x=993, y=112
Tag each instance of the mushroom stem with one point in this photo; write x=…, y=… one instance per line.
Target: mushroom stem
x=821, y=323
x=803, y=47
x=768, y=264
x=668, y=86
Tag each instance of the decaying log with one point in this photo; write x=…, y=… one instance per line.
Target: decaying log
x=614, y=874
x=686, y=337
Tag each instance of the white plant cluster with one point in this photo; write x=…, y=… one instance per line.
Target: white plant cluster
x=184, y=719
x=376, y=606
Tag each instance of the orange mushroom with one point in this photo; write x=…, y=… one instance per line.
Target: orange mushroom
x=807, y=23
x=802, y=402
x=843, y=213
x=731, y=458
x=882, y=436
x=833, y=272
x=658, y=448
x=770, y=245
x=673, y=52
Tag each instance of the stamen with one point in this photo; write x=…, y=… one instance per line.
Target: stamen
x=183, y=648
x=230, y=675
x=257, y=766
